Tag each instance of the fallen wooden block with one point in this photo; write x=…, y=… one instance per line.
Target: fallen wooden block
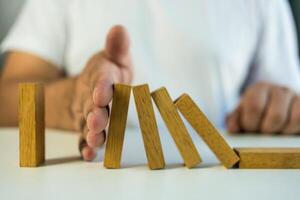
x=176, y=127
x=148, y=127
x=31, y=124
x=269, y=158
x=206, y=130
x=117, y=126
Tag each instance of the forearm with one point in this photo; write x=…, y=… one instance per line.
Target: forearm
x=58, y=96
x=8, y=104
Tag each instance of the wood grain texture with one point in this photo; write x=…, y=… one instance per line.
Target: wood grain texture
x=206, y=130
x=148, y=126
x=176, y=127
x=31, y=124
x=117, y=126
x=269, y=158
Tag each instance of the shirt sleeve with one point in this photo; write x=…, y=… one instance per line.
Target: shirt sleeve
x=276, y=58
x=40, y=29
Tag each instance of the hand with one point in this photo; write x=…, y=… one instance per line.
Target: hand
x=266, y=108
x=94, y=90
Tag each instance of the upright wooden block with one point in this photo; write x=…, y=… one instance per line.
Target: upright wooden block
x=206, y=130
x=176, y=127
x=269, y=158
x=117, y=126
x=148, y=127
x=31, y=124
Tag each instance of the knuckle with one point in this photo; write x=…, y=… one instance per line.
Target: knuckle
x=261, y=84
x=286, y=91
x=280, y=92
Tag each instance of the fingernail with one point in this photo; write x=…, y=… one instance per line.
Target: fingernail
x=95, y=95
x=89, y=121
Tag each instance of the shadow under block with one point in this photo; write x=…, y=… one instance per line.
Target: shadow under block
x=117, y=126
x=148, y=126
x=31, y=124
x=269, y=158
x=176, y=127
x=206, y=130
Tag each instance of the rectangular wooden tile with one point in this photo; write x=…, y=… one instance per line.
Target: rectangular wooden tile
x=31, y=124
x=269, y=158
x=176, y=127
x=206, y=130
x=148, y=126
x=117, y=126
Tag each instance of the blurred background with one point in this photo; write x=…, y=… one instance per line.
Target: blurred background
x=9, y=10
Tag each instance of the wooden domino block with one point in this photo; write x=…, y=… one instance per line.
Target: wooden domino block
x=269, y=158
x=176, y=127
x=148, y=127
x=206, y=130
x=117, y=126
x=31, y=124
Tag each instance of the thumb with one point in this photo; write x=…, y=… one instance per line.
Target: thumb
x=117, y=46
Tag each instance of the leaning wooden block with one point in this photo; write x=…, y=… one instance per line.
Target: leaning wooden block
x=31, y=124
x=206, y=130
x=117, y=126
x=176, y=127
x=269, y=158
x=148, y=127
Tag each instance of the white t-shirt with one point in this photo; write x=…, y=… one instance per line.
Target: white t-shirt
x=207, y=48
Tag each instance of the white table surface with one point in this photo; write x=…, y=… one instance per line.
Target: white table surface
x=64, y=176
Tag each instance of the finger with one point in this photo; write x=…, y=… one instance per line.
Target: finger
x=117, y=51
x=87, y=153
x=293, y=125
x=97, y=119
x=117, y=46
x=277, y=110
x=233, y=121
x=253, y=106
x=103, y=88
x=95, y=139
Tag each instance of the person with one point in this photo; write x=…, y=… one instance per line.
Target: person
x=237, y=59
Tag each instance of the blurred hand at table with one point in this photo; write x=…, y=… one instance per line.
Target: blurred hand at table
x=268, y=109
